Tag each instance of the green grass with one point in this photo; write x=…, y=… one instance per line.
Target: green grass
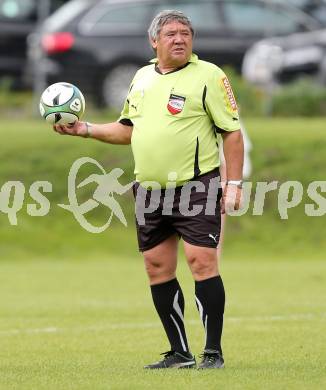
x=91, y=325
x=75, y=310
x=291, y=149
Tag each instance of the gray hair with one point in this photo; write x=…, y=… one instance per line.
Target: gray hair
x=165, y=17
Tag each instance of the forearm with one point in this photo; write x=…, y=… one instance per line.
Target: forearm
x=113, y=133
x=233, y=153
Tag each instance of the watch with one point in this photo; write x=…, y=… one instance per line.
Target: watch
x=237, y=183
x=88, y=130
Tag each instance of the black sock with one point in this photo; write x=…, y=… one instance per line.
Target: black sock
x=210, y=300
x=169, y=303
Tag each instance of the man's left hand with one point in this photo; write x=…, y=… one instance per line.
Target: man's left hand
x=231, y=198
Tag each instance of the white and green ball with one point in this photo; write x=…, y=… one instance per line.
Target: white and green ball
x=62, y=104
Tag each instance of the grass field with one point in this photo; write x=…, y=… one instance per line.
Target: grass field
x=75, y=309
x=77, y=325
x=284, y=149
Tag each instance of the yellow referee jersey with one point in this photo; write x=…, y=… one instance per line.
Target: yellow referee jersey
x=176, y=120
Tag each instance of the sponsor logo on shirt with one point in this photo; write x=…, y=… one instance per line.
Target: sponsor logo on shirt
x=176, y=104
x=229, y=93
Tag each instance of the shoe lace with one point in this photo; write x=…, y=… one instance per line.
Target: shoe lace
x=167, y=354
x=209, y=357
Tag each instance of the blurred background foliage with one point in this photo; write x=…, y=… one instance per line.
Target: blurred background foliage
x=31, y=151
x=302, y=97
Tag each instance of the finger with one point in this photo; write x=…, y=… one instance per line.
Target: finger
x=59, y=129
x=71, y=125
x=229, y=199
x=236, y=205
x=56, y=127
x=64, y=128
x=223, y=205
x=233, y=200
x=69, y=129
x=238, y=199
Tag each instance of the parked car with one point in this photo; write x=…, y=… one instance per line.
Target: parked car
x=282, y=59
x=315, y=8
x=99, y=45
x=18, y=18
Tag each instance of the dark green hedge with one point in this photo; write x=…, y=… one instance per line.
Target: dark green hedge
x=303, y=97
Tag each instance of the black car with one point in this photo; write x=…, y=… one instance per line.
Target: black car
x=18, y=19
x=98, y=45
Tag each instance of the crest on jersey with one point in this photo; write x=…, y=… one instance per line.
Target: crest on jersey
x=176, y=104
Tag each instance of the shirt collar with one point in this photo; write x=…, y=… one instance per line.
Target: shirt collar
x=193, y=58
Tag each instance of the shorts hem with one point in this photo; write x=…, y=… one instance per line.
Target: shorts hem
x=154, y=244
x=201, y=244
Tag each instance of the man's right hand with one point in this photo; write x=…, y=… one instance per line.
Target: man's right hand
x=77, y=129
x=112, y=133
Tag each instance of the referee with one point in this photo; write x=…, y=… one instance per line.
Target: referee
x=174, y=116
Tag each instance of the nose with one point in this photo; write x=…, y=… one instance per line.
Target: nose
x=178, y=38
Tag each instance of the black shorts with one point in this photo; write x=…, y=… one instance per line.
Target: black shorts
x=192, y=211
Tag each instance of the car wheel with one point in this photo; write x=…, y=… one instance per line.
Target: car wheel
x=116, y=85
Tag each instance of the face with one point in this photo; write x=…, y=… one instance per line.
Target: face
x=174, y=44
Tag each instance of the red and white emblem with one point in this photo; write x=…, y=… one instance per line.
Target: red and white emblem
x=176, y=104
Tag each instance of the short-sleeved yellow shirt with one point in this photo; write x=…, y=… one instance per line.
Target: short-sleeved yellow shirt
x=176, y=118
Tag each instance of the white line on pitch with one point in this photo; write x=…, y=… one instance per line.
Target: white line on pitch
x=141, y=325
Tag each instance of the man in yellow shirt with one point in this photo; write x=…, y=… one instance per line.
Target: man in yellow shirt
x=176, y=111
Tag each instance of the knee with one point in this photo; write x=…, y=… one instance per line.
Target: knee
x=153, y=266
x=158, y=270
x=203, y=267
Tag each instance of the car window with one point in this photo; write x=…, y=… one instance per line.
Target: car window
x=258, y=17
x=315, y=8
x=17, y=9
x=203, y=15
x=136, y=15
x=55, y=4
x=65, y=14
x=298, y=3
x=116, y=19
x=318, y=12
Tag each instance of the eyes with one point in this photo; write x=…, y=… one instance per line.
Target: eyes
x=172, y=34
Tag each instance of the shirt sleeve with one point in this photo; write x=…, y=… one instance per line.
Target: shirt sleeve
x=220, y=102
x=124, y=116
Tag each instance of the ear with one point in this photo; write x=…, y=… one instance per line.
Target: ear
x=153, y=43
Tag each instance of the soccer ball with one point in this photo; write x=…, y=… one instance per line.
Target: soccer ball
x=62, y=104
